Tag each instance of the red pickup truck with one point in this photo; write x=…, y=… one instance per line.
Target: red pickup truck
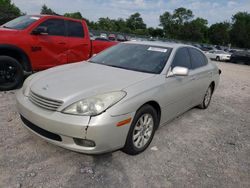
x=37, y=42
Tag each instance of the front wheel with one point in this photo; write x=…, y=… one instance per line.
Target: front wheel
x=141, y=131
x=207, y=98
x=11, y=73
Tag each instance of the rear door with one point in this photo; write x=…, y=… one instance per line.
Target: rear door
x=50, y=49
x=78, y=41
x=201, y=75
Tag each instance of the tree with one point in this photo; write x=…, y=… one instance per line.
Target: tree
x=75, y=15
x=219, y=33
x=166, y=21
x=107, y=24
x=8, y=11
x=46, y=10
x=240, y=33
x=135, y=22
x=173, y=23
x=195, y=30
x=182, y=15
x=121, y=26
x=155, y=32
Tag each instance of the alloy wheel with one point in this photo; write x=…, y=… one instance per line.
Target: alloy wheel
x=143, y=130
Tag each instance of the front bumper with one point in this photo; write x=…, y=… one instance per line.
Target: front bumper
x=101, y=129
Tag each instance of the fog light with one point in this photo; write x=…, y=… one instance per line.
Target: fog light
x=84, y=142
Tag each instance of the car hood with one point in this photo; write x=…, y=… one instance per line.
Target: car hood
x=80, y=80
x=5, y=34
x=4, y=31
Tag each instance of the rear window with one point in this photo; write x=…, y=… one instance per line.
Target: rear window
x=75, y=29
x=198, y=59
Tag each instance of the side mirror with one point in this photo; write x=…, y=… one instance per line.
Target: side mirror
x=179, y=71
x=40, y=31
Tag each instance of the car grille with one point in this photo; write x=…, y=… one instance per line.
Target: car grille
x=43, y=102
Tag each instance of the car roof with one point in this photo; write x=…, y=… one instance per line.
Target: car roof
x=56, y=16
x=160, y=44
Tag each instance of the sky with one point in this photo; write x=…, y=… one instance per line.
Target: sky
x=212, y=10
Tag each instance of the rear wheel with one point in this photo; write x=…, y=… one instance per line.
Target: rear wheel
x=217, y=58
x=141, y=131
x=207, y=98
x=11, y=73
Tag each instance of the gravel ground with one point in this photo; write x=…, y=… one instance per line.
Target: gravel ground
x=201, y=148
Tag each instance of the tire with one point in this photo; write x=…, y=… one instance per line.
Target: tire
x=217, y=58
x=140, y=132
x=11, y=73
x=207, y=98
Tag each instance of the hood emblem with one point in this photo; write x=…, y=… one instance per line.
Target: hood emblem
x=45, y=87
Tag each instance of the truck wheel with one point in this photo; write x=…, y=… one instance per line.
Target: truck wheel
x=11, y=73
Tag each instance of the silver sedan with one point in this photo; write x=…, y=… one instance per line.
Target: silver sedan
x=117, y=99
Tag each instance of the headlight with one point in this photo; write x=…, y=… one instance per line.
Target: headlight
x=94, y=105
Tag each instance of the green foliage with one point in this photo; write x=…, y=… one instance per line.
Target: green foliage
x=135, y=22
x=219, y=33
x=75, y=15
x=156, y=32
x=240, y=33
x=195, y=30
x=8, y=11
x=48, y=11
x=182, y=15
x=174, y=24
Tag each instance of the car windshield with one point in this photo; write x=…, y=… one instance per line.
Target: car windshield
x=136, y=57
x=21, y=23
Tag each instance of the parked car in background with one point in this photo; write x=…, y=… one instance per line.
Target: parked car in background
x=104, y=35
x=37, y=42
x=118, y=98
x=120, y=38
x=241, y=57
x=218, y=55
x=112, y=37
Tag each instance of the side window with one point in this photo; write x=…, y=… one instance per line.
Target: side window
x=182, y=59
x=75, y=29
x=197, y=58
x=55, y=27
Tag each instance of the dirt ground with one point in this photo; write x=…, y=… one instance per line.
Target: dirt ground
x=201, y=148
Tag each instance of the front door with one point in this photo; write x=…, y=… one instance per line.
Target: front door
x=49, y=50
x=177, y=89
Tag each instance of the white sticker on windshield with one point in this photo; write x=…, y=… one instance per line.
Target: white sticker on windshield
x=155, y=49
x=34, y=18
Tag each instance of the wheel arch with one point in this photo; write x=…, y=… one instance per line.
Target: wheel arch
x=16, y=53
x=157, y=107
x=213, y=85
